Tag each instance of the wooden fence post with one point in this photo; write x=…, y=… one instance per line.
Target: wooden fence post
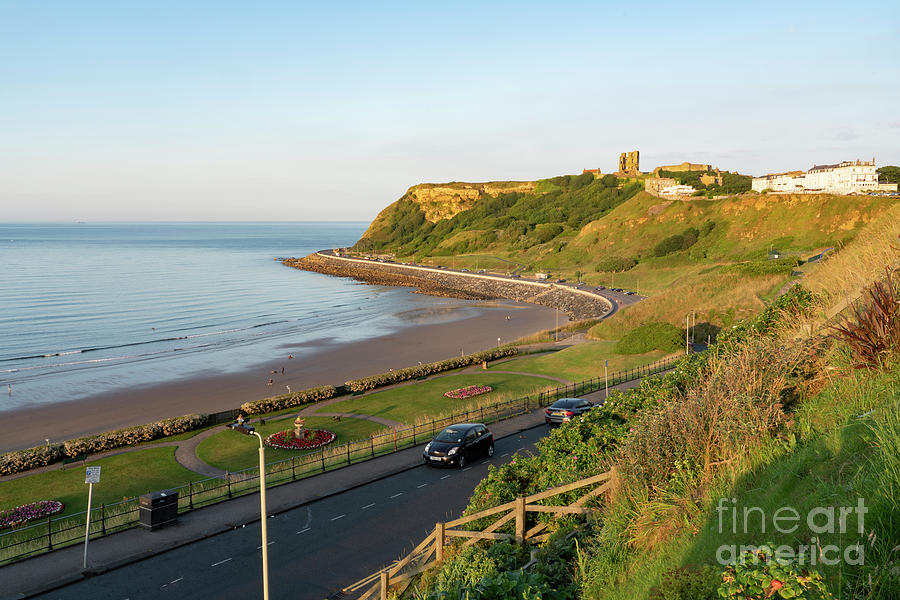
x=385, y=582
x=439, y=542
x=520, y=519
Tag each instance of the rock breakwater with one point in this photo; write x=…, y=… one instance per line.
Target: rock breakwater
x=577, y=304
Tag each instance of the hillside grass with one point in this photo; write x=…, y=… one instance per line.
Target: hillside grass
x=837, y=462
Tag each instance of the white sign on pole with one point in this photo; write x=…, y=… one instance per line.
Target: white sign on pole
x=92, y=475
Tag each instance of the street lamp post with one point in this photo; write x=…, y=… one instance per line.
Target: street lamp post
x=262, y=506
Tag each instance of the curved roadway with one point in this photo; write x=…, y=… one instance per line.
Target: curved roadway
x=314, y=550
x=616, y=300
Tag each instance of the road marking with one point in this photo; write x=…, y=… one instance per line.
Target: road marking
x=466, y=469
x=338, y=517
x=368, y=506
x=520, y=449
x=398, y=494
x=302, y=531
x=421, y=486
x=175, y=581
x=445, y=477
x=506, y=454
x=269, y=544
x=220, y=562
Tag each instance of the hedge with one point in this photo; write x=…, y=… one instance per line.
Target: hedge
x=369, y=383
x=274, y=403
x=41, y=456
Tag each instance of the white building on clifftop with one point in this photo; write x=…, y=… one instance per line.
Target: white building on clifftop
x=848, y=177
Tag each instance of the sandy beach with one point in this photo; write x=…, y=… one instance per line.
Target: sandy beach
x=332, y=363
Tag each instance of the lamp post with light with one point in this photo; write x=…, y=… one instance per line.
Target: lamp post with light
x=262, y=505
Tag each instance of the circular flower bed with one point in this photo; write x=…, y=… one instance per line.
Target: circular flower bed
x=468, y=392
x=316, y=438
x=26, y=512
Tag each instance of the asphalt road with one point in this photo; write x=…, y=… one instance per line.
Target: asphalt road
x=314, y=550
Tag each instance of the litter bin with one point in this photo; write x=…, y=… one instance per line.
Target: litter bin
x=158, y=509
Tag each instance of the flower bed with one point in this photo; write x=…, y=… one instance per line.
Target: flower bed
x=26, y=512
x=286, y=440
x=468, y=392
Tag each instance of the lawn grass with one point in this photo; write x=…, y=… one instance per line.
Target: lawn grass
x=406, y=403
x=231, y=451
x=122, y=476
x=579, y=362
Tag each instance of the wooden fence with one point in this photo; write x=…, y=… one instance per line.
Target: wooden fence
x=397, y=576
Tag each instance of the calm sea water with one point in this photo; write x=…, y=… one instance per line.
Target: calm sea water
x=88, y=308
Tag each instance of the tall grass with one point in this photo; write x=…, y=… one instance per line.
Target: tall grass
x=841, y=277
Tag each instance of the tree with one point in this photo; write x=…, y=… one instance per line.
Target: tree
x=889, y=173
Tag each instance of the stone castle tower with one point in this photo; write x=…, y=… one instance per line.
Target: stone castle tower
x=629, y=163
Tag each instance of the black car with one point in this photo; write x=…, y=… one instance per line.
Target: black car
x=565, y=409
x=458, y=444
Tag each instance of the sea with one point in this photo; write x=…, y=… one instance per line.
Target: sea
x=87, y=308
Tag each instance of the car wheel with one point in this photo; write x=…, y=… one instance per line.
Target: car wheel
x=462, y=461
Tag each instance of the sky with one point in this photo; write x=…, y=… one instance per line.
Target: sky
x=305, y=111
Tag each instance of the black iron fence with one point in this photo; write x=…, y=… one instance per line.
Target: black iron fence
x=54, y=532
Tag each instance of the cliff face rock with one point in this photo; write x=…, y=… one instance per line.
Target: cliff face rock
x=445, y=200
x=447, y=283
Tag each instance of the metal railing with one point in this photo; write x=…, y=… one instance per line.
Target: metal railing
x=54, y=532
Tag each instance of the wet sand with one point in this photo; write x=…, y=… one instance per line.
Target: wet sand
x=333, y=364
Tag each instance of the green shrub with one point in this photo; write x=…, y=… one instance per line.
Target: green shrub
x=780, y=266
x=651, y=336
x=761, y=574
x=282, y=401
x=615, y=263
x=40, y=456
x=673, y=243
x=374, y=381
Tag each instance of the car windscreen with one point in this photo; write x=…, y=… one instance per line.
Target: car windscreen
x=451, y=435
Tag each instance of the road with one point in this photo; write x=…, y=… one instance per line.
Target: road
x=314, y=550
x=618, y=299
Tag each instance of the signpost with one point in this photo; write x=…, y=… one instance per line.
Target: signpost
x=91, y=476
x=606, y=376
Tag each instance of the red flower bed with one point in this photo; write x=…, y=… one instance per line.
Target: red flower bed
x=468, y=392
x=286, y=440
x=26, y=512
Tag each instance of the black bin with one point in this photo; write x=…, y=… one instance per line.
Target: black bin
x=158, y=509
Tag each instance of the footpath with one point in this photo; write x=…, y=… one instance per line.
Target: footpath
x=48, y=571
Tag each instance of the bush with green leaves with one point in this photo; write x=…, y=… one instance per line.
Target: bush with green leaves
x=615, y=263
x=779, y=266
x=282, y=401
x=374, y=381
x=651, y=336
x=760, y=574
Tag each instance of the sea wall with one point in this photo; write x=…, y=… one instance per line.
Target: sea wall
x=577, y=304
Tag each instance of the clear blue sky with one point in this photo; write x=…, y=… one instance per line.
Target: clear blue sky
x=330, y=110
